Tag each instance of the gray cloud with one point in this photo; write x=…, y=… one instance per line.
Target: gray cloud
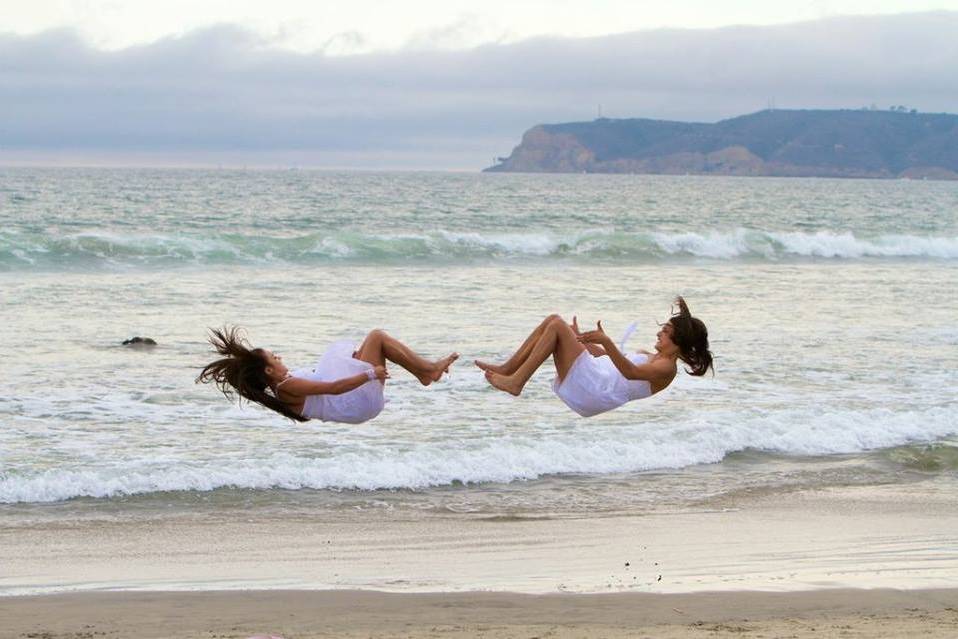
x=223, y=89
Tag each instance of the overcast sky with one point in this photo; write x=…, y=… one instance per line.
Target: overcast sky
x=362, y=26
x=437, y=86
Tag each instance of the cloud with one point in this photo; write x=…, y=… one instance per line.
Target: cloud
x=224, y=89
x=467, y=31
x=345, y=43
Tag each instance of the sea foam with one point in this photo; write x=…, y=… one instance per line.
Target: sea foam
x=501, y=459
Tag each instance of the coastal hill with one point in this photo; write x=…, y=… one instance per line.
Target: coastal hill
x=841, y=143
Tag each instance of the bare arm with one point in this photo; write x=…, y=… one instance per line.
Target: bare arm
x=657, y=372
x=303, y=387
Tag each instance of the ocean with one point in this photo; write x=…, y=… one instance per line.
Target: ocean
x=831, y=306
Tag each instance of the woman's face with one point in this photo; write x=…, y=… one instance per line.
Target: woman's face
x=663, y=341
x=274, y=365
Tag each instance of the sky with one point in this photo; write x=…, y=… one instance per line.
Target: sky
x=363, y=26
x=437, y=85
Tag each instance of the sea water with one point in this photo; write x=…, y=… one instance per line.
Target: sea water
x=832, y=308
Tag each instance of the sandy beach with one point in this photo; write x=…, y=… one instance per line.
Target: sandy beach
x=856, y=562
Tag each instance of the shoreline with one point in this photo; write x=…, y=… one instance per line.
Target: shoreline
x=878, y=562
x=902, y=536
x=301, y=614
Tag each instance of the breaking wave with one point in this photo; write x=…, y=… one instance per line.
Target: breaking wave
x=704, y=440
x=19, y=250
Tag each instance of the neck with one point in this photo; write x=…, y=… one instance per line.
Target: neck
x=672, y=355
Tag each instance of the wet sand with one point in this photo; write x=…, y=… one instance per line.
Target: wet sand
x=315, y=614
x=902, y=537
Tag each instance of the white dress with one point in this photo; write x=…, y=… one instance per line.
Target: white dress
x=353, y=407
x=594, y=385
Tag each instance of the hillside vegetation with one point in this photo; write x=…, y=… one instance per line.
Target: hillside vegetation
x=844, y=143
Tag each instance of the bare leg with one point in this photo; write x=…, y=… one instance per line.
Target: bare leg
x=513, y=363
x=557, y=340
x=379, y=347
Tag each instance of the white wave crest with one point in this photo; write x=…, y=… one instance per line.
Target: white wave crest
x=117, y=249
x=714, y=245
x=707, y=439
x=846, y=245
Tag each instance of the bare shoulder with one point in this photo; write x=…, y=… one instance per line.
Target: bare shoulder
x=294, y=386
x=664, y=366
x=664, y=370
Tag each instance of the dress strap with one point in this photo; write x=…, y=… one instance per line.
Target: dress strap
x=283, y=381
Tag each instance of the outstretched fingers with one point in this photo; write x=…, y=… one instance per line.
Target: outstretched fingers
x=596, y=336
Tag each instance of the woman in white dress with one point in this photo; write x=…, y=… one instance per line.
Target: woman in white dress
x=593, y=375
x=346, y=385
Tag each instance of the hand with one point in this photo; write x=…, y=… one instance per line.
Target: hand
x=575, y=326
x=381, y=373
x=597, y=336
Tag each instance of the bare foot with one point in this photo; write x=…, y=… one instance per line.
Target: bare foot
x=503, y=383
x=439, y=367
x=442, y=365
x=495, y=368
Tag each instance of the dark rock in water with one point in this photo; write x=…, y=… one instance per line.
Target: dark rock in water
x=141, y=342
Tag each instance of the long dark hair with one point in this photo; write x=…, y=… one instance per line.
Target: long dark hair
x=242, y=371
x=692, y=338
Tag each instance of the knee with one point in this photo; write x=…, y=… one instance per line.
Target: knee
x=376, y=333
x=555, y=317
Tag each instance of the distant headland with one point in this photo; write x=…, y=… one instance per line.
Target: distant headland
x=897, y=143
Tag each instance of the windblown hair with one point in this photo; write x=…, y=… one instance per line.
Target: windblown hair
x=692, y=338
x=242, y=372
